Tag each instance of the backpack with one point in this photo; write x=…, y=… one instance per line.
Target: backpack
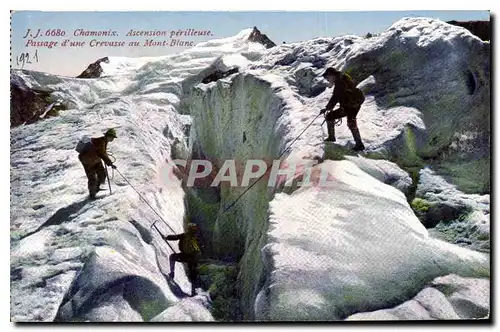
x=354, y=97
x=190, y=245
x=84, y=144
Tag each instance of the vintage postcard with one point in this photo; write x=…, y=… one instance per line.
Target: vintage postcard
x=250, y=166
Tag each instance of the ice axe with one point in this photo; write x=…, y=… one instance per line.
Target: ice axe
x=109, y=181
x=154, y=225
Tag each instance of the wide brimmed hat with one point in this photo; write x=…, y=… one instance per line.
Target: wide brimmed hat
x=111, y=133
x=330, y=71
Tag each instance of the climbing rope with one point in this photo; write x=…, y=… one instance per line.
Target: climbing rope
x=281, y=154
x=236, y=200
x=138, y=193
x=113, y=159
x=337, y=122
x=153, y=225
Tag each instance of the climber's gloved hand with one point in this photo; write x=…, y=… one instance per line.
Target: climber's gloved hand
x=113, y=166
x=323, y=111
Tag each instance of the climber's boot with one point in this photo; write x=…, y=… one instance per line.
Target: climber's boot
x=357, y=138
x=330, y=125
x=172, y=267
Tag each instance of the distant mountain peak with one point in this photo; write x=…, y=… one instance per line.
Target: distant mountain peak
x=258, y=37
x=94, y=70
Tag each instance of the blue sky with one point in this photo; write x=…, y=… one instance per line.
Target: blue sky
x=279, y=26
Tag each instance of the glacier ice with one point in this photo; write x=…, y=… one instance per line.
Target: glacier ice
x=353, y=250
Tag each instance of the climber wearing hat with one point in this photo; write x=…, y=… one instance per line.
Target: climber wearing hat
x=189, y=253
x=350, y=100
x=91, y=158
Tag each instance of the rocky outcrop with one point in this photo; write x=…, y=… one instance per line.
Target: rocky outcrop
x=29, y=104
x=482, y=29
x=94, y=70
x=218, y=74
x=258, y=37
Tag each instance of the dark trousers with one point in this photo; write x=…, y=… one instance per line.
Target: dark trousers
x=192, y=263
x=96, y=175
x=341, y=112
x=351, y=114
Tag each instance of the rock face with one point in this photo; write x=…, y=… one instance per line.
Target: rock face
x=258, y=37
x=218, y=74
x=27, y=104
x=482, y=29
x=94, y=70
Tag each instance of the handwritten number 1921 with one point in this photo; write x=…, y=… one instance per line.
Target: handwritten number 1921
x=26, y=58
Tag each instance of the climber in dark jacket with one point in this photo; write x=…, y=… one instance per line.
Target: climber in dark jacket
x=92, y=159
x=350, y=100
x=189, y=253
